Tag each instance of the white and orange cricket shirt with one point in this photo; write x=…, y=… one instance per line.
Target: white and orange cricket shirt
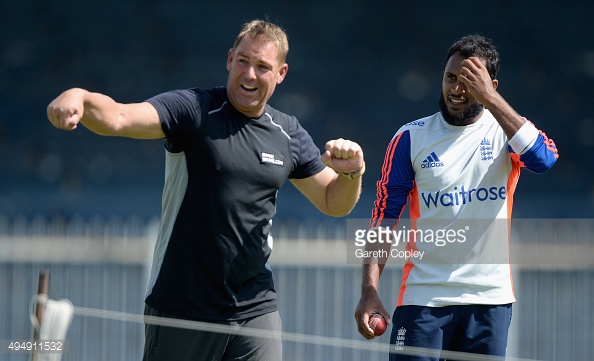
x=460, y=181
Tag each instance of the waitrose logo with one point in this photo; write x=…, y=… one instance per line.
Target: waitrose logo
x=460, y=195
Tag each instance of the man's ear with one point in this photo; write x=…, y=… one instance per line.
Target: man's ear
x=229, y=59
x=282, y=73
x=495, y=83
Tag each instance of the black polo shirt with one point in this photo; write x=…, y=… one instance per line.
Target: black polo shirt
x=223, y=171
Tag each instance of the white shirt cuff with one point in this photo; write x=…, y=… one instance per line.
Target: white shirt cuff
x=524, y=138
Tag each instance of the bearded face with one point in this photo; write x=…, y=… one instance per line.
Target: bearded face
x=468, y=116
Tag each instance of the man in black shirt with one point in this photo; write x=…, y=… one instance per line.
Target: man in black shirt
x=227, y=154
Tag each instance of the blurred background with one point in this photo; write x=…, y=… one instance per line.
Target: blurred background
x=357, y=70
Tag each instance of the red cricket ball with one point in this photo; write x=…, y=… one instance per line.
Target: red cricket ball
x=378, y=324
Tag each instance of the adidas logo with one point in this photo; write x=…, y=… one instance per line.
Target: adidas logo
x=432, y=161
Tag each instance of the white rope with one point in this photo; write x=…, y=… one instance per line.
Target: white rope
x=286, y=336
x=56, y=319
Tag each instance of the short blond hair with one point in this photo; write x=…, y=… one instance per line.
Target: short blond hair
x=267, y=31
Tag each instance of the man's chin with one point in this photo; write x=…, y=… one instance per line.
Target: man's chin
x=457, y=112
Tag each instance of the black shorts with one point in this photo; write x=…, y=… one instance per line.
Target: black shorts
x=180, y=344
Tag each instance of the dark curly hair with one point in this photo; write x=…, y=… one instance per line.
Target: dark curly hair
x=479, y=46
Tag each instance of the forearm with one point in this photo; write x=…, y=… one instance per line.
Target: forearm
x=101, y=114
x=371, y=273
x=509, y=120
x=336, y=189
x=373, y=267
x=342, y=195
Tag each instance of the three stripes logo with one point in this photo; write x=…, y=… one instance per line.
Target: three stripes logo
x=432, y=161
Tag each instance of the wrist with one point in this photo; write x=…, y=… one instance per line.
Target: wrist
x=369, y=290
x=354, y=175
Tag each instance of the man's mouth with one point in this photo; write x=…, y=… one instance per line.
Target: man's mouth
x=249, y=88
x=457, y=101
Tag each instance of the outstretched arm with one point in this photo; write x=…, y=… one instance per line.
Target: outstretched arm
x=336, y=189
x=104, y=116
